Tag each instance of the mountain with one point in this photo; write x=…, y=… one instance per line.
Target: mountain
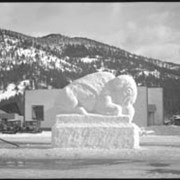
x=55, y=60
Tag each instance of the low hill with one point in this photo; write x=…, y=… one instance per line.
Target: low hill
x=55, y=60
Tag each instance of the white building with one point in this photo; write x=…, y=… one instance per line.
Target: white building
x=39, y=105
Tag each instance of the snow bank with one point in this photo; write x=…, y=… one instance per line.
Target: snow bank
x=42, y=134
x=171, y=130
x=87, y=153
x=39, y=138
x=61, y=153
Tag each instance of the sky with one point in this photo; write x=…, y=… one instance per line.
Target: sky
x=150, y=29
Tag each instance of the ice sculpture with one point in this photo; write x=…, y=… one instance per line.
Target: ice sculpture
x=96, y=111
x=99, y=93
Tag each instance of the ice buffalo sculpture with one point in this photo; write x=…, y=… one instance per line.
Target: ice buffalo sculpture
x=99, y=93
x=96, y=111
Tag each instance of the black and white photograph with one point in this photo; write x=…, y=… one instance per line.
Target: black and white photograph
x=89, y=90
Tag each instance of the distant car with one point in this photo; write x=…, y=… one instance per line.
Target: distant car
x=175, y=120
x=31, y=127
x=10, y=126
x=168, y=122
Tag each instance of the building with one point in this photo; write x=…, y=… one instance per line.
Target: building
x=39, y=105
x=149, y=107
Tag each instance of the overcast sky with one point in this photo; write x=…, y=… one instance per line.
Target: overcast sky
x=149, y=29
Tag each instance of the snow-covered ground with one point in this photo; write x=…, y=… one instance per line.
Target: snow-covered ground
x=27, y=135
x=43, y=137
x=152, y=134
x=157, y=157
x=171, y=130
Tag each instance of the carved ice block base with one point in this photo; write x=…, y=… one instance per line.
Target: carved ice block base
x=94, y=132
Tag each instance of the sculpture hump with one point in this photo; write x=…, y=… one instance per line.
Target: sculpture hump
x=100, y=93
